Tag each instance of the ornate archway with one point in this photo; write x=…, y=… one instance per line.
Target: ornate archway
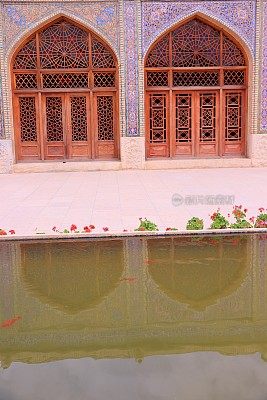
x=196, y=80
x=65, y=88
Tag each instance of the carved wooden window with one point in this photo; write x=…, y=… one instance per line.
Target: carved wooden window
x=233, y=116
x=27, y=110
x=183, y=117
x=69, y=62
x=195, y=65
x=158, y=119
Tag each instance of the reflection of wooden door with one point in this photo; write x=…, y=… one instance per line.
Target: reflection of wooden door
x=66, y=126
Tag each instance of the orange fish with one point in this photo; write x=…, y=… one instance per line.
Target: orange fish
x=9, y=322
x=130, y=279
x=149, y=261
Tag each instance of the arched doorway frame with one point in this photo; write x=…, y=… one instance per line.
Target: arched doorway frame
x=216, y=23
x=7, y=70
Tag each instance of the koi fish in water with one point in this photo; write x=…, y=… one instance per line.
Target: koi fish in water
x=9, y=322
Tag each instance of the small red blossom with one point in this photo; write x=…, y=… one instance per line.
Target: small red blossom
x=87, y=229
x=168, y=229
x=105, y=229
x=73, y=227
x=54, y=229
x=245, y=210
x=252, y=219
x=125, y=230
x=91, y=226
x=2, y=232
x=12, y=232
x=261, y=209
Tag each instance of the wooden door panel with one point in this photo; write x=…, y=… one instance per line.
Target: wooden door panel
x=54, y=111
x=183, y=116
x=26, y=123
x=78, y=133
x=234, y=123
x=157, y=125
x=207, y=124
x=104, y=125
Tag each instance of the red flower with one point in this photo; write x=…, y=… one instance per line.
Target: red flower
x=105, y=229
x=252, y=219
x=87, y=229
x=125, y=230
x=2, y=232
x=91, y=226
x=54, y=228
x=12, y=232
x=73, y=228
x=261, y=209
x=245, y=210
x=168, y=229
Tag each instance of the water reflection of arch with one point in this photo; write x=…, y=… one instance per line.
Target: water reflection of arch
x=72, y=276
x=198, y=271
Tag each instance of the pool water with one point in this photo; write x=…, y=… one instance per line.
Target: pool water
x=134, y=318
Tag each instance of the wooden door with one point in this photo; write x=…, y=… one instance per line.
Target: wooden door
x=54, y=126
x=158, y=124
x=195, y=122
x=207, y=123
x=78, y=140
x=233, y=135
x=27, y=124
x=104, y=125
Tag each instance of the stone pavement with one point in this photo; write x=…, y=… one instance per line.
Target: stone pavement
x=38, y=201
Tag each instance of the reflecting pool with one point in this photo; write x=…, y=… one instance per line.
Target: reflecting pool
x=134, y=318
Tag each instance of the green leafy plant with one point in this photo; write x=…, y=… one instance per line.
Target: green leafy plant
x=218, y=221
x=194, y=224
x=146, y=225
x=261, y=220
x=240, y=216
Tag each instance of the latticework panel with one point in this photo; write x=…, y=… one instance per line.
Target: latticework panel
x=27, y=56
x=27, y=110
x=78, y=118
x=105, y=118
x=68, y=80
x=104, y=79
x=183, y=117
x=234, y=77
x=159, y=55
x=207, y=129
x=195, y=78
x=195, y=44
x=233, y=116
x=232, y=55
x=158, y=118
x=101, y=56
x=54, y=124
x=26, y=81
x=64, y=45
x=159, y=78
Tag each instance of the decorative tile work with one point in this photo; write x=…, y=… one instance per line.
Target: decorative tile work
x=238, y=15
x=102, y=16
x=131, y=55
x=263, y=58
x=2, y=133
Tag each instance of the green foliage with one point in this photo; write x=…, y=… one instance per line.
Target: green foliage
x=261, y=220
x=240, y=215
x=194, y=224
x=218, y=221
x=146, y=225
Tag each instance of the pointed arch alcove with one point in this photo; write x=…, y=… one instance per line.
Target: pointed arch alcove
x=196, y=81
x=65, y=95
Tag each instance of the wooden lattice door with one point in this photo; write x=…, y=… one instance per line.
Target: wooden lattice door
x=196, y=81
x=65, y=89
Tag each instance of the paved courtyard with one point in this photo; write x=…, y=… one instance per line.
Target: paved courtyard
x=116, y=199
